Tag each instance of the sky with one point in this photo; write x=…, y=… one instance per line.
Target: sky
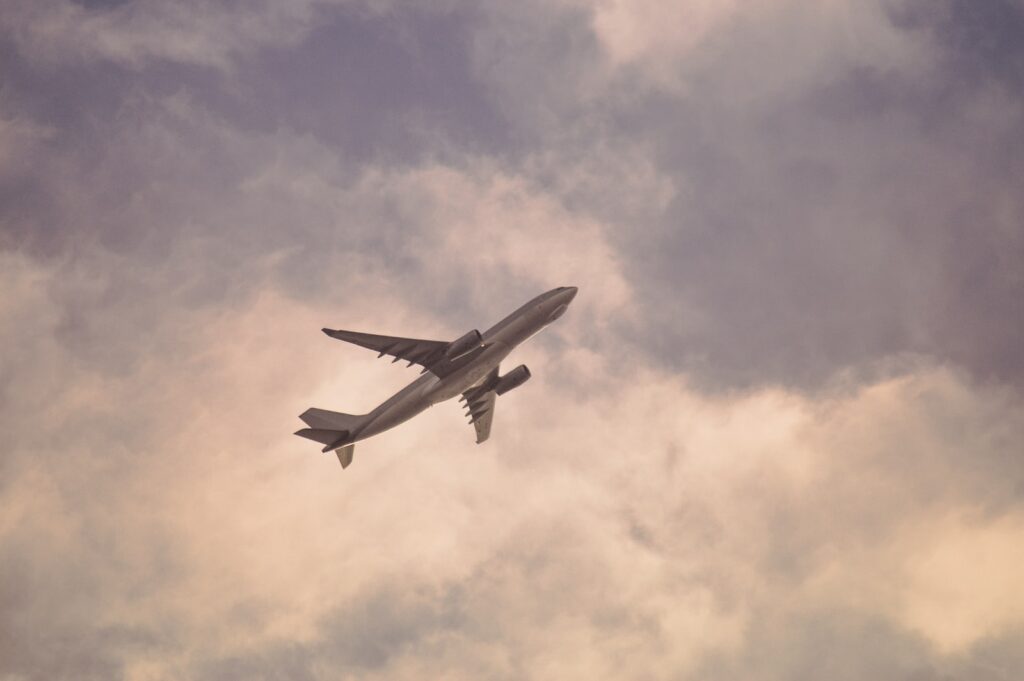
x=777, y=436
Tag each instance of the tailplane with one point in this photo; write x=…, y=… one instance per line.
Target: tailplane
x=325, y=436
x=331, y=439
x=332, y=429
x=321, y=419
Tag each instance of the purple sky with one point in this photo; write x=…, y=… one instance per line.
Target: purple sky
x=778, y=437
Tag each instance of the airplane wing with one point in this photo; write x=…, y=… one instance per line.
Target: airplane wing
x=480, y=402
x=427, y=353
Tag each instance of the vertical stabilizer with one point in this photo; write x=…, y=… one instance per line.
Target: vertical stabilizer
x=345, y=455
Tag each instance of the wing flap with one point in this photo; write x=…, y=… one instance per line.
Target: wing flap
x=480, y=401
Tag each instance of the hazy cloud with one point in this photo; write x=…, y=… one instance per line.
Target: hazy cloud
x=776, y=437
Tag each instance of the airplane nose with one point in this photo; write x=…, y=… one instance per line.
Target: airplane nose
x=571, y=290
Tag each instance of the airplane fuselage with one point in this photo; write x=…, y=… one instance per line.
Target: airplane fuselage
x=498, y=342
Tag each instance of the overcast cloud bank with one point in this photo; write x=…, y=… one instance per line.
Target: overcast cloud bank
x=777, y=437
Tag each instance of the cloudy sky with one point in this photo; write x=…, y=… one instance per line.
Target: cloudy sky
x=777, y=437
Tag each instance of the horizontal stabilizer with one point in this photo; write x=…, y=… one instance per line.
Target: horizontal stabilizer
x=321, y=419
x=331, y=438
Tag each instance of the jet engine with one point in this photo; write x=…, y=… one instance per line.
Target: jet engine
x=512, y=379
x=463, y=345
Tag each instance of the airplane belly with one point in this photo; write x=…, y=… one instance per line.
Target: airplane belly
x=412, y=400
x=443, y=377
x=465, y=378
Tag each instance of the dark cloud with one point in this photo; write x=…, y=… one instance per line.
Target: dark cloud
x=393, y=88
x=980, y=41
x=860, y=214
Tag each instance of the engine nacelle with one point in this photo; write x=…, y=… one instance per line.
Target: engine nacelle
x=512, y=379
x=463, y=345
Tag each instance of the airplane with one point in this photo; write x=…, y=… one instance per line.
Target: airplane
x=467, y=365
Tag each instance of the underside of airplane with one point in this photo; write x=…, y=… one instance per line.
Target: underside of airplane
x=467, y=366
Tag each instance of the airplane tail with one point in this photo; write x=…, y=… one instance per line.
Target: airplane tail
x=325, y=436
x=333, y=430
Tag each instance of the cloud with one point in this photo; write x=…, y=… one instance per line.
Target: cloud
x=59, y=32
x=783, y=409
x=671, y=45
x=953, y=601
x=829, y=211
x=193, y=534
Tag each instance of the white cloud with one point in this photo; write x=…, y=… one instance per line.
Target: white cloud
x=767, y=47
x=634, y=518
x=963, y=581
x=659, y=33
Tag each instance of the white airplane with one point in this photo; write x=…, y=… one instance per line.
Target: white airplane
x=467, y=365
